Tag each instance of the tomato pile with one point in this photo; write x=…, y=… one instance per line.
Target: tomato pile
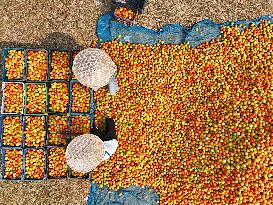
x=59, y=65
x=13, y=163
x=15, y=64
x=58, y=97
x=125, y=13
x=12, y=131
x=81, y=96
x=35, y=164
x=36, y=98
x=56, y=162
x=35, y=131
x=36, y=65
x=196, y=124
x=14, y=96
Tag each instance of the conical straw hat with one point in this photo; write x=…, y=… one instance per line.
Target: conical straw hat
x=93, y=68
x=84, y=153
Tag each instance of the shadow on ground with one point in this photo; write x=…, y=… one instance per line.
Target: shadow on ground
x=54, y=40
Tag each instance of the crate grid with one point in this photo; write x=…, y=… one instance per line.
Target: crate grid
x=46, y=115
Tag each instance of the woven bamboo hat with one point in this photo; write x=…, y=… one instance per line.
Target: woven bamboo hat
x=84, y=153
x=93, y=68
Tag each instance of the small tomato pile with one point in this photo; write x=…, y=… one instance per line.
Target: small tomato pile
x=125, y=13
x=13, y=163
x=15, y=64
x=12, y=131
x=36, y=98
x=81, y=96
x=35, y=164
x=56, y=162
x=80, y=124
x=59, y=65
x=14, y=96
x=36, y=65
x=58, y=97
x=196, y=124
x=35, y=131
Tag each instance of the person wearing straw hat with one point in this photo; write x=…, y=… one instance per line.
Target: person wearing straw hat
x=85, y=152
x=94, y=68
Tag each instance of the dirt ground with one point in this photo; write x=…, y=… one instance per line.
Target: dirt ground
x=72, y=24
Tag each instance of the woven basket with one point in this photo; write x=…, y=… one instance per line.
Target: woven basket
x=93, y=68
x=84, y=153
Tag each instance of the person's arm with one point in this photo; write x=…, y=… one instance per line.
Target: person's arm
x=110, y=130
x=96, y=131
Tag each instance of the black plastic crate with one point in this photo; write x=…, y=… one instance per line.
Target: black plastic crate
x=4, y=70
x=72, y=54
x=2, y=117
x=49, y=85
x=71, y=174
x=24, y=131
x=47, y=63
x=48, y=153
x=25, y=165
x=126, y=21
x=50, y=64
x=4, y=99
x=26, y=102
x=90, y=116
x=135, y=5
x=4, y=164
x=71, y=100
x=51, y=133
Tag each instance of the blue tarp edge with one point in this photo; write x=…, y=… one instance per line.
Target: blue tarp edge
x=204, y=31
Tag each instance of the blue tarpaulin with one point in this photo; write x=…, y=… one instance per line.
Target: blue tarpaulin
x=108, y=29
x=204, y=31
x=130, y=196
